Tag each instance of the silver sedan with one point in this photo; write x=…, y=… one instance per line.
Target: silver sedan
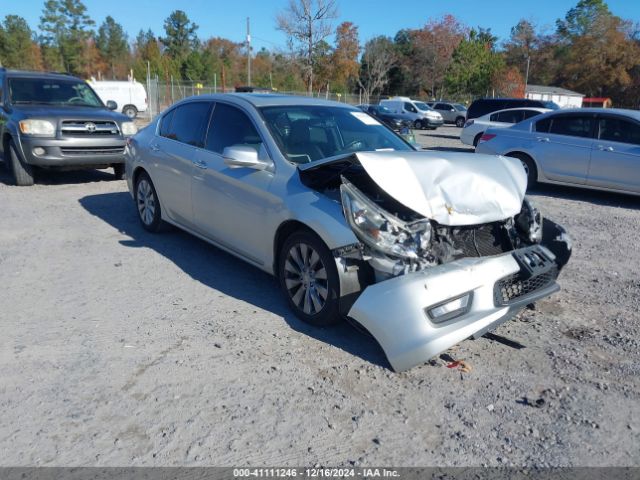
x=421, y=249
x=589, y=147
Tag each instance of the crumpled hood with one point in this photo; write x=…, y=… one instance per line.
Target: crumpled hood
x=452, y=188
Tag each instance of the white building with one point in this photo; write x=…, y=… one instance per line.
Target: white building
x=563, y=97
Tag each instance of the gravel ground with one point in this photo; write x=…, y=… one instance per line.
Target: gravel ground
x=123, y=348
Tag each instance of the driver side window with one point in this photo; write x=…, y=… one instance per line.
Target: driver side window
x=230, y=126
x=409, y=108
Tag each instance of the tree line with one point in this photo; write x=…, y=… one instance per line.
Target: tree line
x=590, y=50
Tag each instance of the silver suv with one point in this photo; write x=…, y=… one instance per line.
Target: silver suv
x=53, y=121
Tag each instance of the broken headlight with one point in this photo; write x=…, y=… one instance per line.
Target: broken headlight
x=529, y=222
x=381, y=230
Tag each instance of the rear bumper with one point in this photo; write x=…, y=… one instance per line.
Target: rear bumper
x=396, y=311
x=74, y=152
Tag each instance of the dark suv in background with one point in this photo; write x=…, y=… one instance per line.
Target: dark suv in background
x=482, y=106
x=52, y=120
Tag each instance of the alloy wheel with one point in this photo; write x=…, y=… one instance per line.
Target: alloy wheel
x=306, y=279
x=146, y=202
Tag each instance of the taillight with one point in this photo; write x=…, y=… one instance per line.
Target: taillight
x=468, y=123
x=486, y=137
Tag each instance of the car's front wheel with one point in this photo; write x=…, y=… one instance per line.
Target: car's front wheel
x=460, y=122
x=418, y=125
x=22, y=172
x=529, y=168
x=309, y=279
x=147, y=203
x=119, y=171
x=130, y=111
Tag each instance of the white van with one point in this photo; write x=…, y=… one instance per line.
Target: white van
x=418, y=113
x=130, y=96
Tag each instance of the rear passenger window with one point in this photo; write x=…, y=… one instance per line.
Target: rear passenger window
x=165, y=124
x=509, y=117
x=231, y=126
x=619, y=130
x=188, y=123
x=573, y=126
x=530, y=113
x=442, y=106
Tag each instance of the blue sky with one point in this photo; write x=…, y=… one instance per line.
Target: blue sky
x=374, y=17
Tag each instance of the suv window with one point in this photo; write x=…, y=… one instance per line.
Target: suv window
x=410, y=108
x=231, y=126
x=442, y=106
x=572, y=125
x=187, y=124
x=618, y=130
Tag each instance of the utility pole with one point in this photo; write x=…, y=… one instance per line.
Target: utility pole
x=248, y=54
x=526, y=76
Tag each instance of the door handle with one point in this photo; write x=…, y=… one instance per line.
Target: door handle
x=154, y=147
x=602, y=148
x=200, y=164
x=542, y=139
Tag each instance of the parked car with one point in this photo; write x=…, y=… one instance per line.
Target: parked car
x=418, y=113
x=451, y=112
x=394, y=121
x=473, y=129
x=422, y=249
x=482, y=106
x=130, y=96
x=57, y=121
x=591, y=148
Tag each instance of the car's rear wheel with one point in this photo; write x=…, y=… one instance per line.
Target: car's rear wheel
x=23, y=175
x=529, y=167
x=477, y=138
x=130, y=111
x=309, y=279
x=418, y=125
x=148, y=204
x=460, y=122
x=118, y=171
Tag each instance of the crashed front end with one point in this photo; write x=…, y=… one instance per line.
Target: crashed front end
x=452, y=246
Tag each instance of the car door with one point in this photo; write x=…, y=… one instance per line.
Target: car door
x=447, y=111
x=230, y=205
x=562, y=145
x=172, y=155
x=615, y=158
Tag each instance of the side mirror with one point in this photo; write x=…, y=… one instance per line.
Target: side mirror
x=111, y=105
x=241, y=156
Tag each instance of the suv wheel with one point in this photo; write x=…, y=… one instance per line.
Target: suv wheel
x=147, y=203
x=130, y=111
x=460, y=122
x=22, y=171
x=309, y=279
x=118, y=171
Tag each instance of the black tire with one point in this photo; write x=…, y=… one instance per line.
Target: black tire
x=477, y=138
x=130, y=111
x=22, y=172
x=118, y=171
x=460, y=122
x=418, y=125
x=529, y=167
x=147, y=204
x=303, y=280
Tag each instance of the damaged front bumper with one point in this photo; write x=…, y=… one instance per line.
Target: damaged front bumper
x=419, y=315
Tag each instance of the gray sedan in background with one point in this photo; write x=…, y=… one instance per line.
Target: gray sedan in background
x=421, y=249
x=589, y=147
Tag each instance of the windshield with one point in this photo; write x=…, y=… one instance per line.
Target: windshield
x=52, y=92
x=422, y=106
x=383, y=109
x=459, y=107
x=306, y=133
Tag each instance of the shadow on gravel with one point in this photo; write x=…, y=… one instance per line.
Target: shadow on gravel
x=59, y=177
x=606, y=199
x=224, y=273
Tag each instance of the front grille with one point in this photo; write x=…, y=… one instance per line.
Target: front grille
x=84, y=128
x=480, y=241
x=516, y=286
x=71, y=151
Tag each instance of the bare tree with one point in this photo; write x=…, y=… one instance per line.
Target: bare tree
x=307, y=23
x=377, y=60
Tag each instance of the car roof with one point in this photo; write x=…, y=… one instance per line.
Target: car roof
x=32, y=74
x=271, y=100
x=524, y=107
x=635, y=114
